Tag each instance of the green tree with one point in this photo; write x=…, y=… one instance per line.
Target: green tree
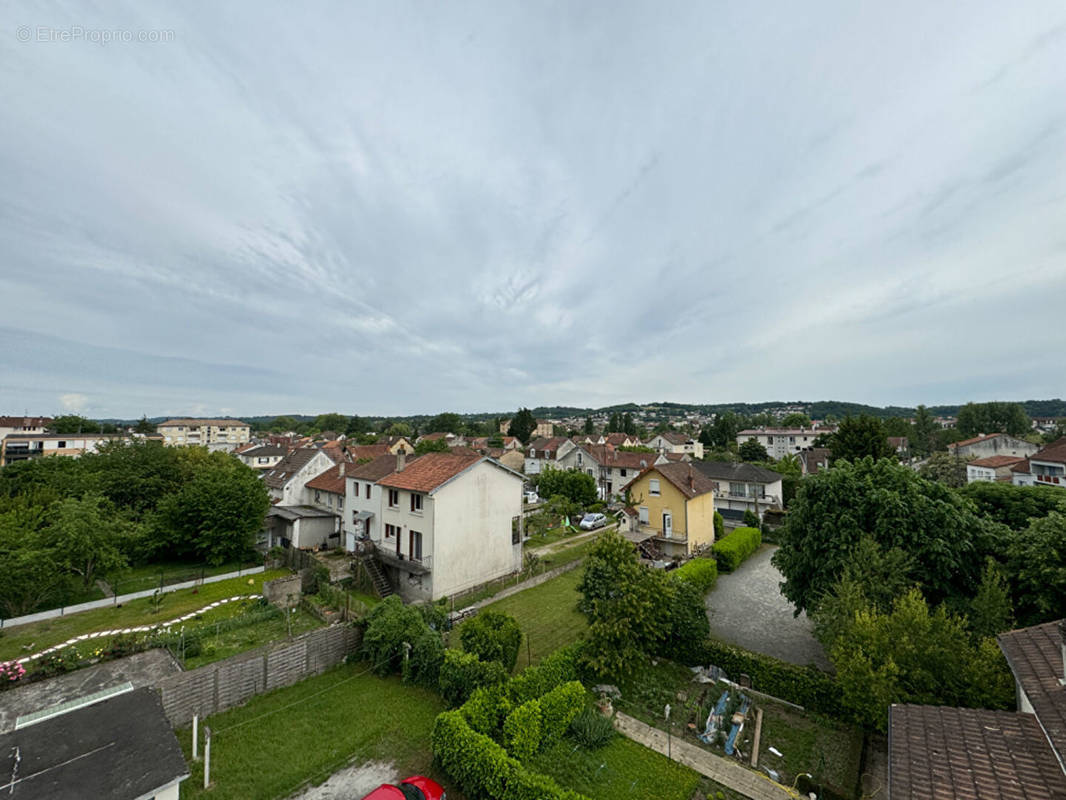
x=389, y=625
x=88, y=538
x=575, y=486
x=144, y=426
x=752, y=451
x=977, y=418
x=399, y=429
x=356, y=425
x=330, y=422
x=492, y=636
x=858, y=437
x=30, y=575
x=588, y=428
x=522, y=425
x=724, y=430
x=629, y=427
x=944, y=468
x=923, y=438
x=73, y=423
x=445, y=423
x=284, y=424
x=796, y=419
x=990, y=609
x=1011, y=505
x=1037, y=569
x=431, y=446
x=788, y=467
x=135, y=475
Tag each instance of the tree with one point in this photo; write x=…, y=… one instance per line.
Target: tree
x=835, y=509
x=724, y=430
x=88, y=538
x=578, y=487
x=134, y=475
x=923, y=438
x=398, y=429
x=629, y=427
x=492, y=636
x=990, y=610
x=977, y=418
x=788, y=467
x=72, y=423
x=944, y=468
x=334, y=422
x=588, y=428
x=522, y=425
x=445, y=423
x=796, y=419
x=752, y=451
x=389, y=625
x=30, y=575
x=858, y=437
x=1037, y=569
x=284, y=424
x=144, y=426
x=1011, y=505
x=431, y=446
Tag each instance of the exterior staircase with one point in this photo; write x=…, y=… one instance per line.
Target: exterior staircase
x=377, y=575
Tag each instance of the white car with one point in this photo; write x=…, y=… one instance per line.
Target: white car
x=532, y=497
x=592, y=521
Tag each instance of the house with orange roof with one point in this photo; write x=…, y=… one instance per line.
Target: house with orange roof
x=1047, y=467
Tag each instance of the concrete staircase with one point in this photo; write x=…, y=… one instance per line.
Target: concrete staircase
x=377, y=575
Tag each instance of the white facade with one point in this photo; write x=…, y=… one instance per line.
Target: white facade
x=19, y=447
x=780, y=442
x=976, y=473
x=995, y=444
x=537, y=460
x=662, y=444
x=294, y=491
x=215, y=434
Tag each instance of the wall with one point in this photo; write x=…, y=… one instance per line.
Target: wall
x=226, y=684
x=283, y=592
x=669, y=499
x=700, y=523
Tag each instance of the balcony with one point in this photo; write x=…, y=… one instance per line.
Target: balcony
x=401, y=561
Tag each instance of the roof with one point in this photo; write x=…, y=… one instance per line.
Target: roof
x=729, y=471
x=898, y=441
x=23, y=422
x=995, y=462
x=429, y=471
x=332, y=480
x=939, y=753
x=1035, y=657
x=228, y=423
x=673, y=437
x=121, y=748
x=298, y=512
x=608, y=456
x=283, y=471
x=263, y=451
x=787, y=431
x=544, y=446
x=684, y=476
x=1022, y=466
x=361, y=451
x=1055, y=452
x=377, y=468
x=813, y=458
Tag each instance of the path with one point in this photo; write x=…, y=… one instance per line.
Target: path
x=747, y=608
x=528, y=583
x=723, y=770
x=564, y=544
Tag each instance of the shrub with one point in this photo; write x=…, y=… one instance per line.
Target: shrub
x=737, y=546
x=558, y=668
x=492, y=636
x=389, y=625
x=423, y=665
x=719, y=526
x=486, y=710
x=700, y=573
x=591, y=729
x=558, y=709
x=523, y=730
x=461, y=673
x=10, y=672
x=751, y=519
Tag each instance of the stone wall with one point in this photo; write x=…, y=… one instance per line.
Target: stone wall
x=283, y=592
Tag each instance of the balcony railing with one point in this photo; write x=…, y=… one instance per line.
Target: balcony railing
x=422, y=566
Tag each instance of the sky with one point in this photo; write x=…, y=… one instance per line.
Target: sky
x=398, y=208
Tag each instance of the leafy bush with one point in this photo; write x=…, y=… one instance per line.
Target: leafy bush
x=591, y=729
x=700, y=573
x=558, y=709
x=461, y=673
x=522, y=730
x=751, y=519
x=486, y=710
x=558, y=668
x=719, y=526
x=423, y=664
x=574, y=485
x=737, y=546
x=492, y=636
x=389, y=625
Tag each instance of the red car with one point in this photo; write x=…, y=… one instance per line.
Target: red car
x=416, y=787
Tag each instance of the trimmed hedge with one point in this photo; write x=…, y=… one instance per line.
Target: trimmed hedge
x=522, y=730
x=534, y=682
x=486, y=710
x=700, y=573
x=558, y=709
x=462, y=673
x=492, y=636
x=737, y=546
x=805, y=686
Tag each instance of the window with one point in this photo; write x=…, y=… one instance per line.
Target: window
x=653, y=487
x=623, y=472
x=769, y=439
x=367, y=491
x=391, y=531
x=415, y=545
x=318, y=496
x=579, y=459
x=643, y=515
x=516, y=530
x=738, y=489
x=61, y=444
x=416, y=503
x=394, y=498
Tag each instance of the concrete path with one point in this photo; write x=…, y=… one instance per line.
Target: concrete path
x=528, y=583
x=747, y=608
x=568, y=542
x=723, y=770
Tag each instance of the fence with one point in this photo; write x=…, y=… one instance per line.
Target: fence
x=52, y=613
x=232, y=682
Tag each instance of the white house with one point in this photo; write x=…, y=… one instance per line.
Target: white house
x=541, y=452
x=992, y=444
x=287, y=480
x=611, y=468
x=1045, y=468
x=262, y=456
x=992, y=468
x=449, y=522
x=24, y=425
x=362, y=499
x=780, y=442
x=742, y=487
x=673, y=442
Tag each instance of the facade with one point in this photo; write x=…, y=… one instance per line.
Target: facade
x=613, y=469
x=1046, y=467
x=780, y=442
x=992, y=444
x=675, y=507
x=264, y=456
x=303, y=527
x=544, y=451
x=448, y=522
x=739, y=488
x=327, y=490
x=287, y=481
x=215, y=434
x=814, y=460
x=992, y=468
x=22, y=446
x=545, y=428
x=671, y=442
x=362, y=500
x=23, y=425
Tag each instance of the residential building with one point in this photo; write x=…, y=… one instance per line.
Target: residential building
x=304, y=527
x=21, y=446
x=328, y=490
x=622, y=440
x=992, y=444
x=544, y=451
x=739, y=488
x=510, y=458
x=1046, y=467
x=673, y=442
x=780, y=442
x=448, y=522
x=814, y=460
x=901, y=444
x=992, y=468
x=363, y=497
x=675, y=508
x=287, y=481
x=115, y=743
x=613, y=469
x=545, y=428
x=23, y=425
x=215, y=434
x=939, y=753
x=261, y=456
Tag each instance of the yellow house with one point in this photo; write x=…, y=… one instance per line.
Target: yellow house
x=675, y=506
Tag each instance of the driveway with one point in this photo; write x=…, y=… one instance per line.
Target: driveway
x=747, y=608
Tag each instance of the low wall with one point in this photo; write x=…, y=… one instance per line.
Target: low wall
x=283, y=592
x=232, y=682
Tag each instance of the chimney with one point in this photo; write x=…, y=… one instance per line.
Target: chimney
x=1062, y=645
x=340, y=470
x=401, y=461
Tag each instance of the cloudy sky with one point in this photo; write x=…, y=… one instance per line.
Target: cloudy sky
x=397, y=207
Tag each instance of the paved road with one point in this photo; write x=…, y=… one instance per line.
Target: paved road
x=747, y=608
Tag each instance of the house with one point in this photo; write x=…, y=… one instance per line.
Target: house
x=363, y=497
x=215, y=434
x=675, y=507
x=542, y=452
x=450, y=439
x=21, y=446
x=510, y=458
x=286, y=481
x=992, y=468
x=739, y=488
x=613, y=469
x=545, y=428
x=992, y=444
x=261, y=456
x=589, y=438
x=328, y=489
x=115, y=744
x=23, y=425
x=304, y=527
x=939, y=753
x=674, y=442
x=780, y=442
x=1046, y=467
x=814, y=460
x=448, y=522
x=622, y=440
x=900, y=444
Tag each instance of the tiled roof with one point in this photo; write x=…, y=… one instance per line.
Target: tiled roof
x=195, y=423
x=547, y=448
x=1036, y=659
x=995, y=462
x=1056, y=452
x=429, y=471
x=25, y=422
x=360, y=451
x=675, y=438
x=376, y=469
x=283, y=471
x=729, y=471
x=939, y=753
x=605, y=455
x=329, y=481
x=685, y=477
x=1022, y=466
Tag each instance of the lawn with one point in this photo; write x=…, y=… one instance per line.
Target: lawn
x=621, y=769
x=321, y=725
x=547, y=615
x=25, y=639
x=150, y=576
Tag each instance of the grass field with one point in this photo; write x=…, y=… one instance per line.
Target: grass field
x=547, y=614
x=622, y=769
x=224, y=644
x=269, y=747
x=148, y=576
x=37, y=636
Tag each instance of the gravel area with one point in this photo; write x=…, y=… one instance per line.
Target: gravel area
x=351, y=782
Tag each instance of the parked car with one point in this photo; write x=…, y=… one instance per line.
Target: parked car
x=532, y=497
x=417, y=787
x=592, y=521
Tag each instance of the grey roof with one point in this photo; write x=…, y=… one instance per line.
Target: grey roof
x=298, y=512
x=729, y=471
x=264, y=451
x=121, y=748
x=282, y=472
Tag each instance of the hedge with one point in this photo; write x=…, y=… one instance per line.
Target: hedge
x=534, y=682
x=737, y=546
x=805, y=686
x=701, y=573
x=492, y=636
x=558, y=709
x=486, y=710
x=522, y=730
x=462, y=673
